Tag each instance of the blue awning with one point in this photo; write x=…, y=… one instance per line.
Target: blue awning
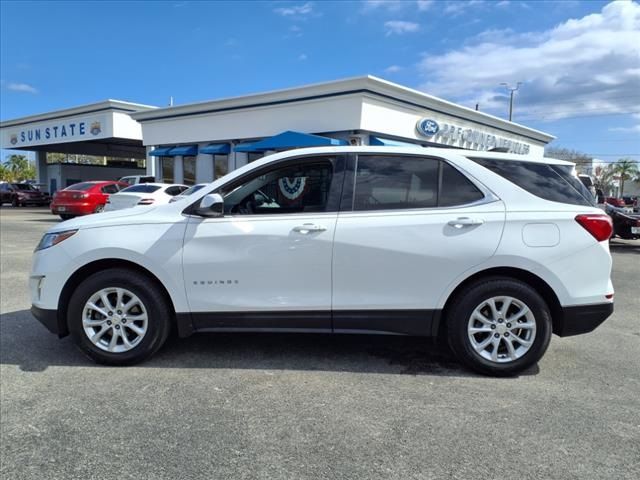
x=160, y=152
x=216, y=149
x=184, y=150
x=289, y=139
x=389, y=143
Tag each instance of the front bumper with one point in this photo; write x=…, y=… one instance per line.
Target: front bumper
x=49, y=318
x=582, y=319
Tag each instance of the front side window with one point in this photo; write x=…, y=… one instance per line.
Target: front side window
x=189, y=168
x=299, y=188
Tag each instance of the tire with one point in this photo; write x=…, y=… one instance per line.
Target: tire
x=152, y=304
x=99, y=208
x=533, y=329
x=65, y=216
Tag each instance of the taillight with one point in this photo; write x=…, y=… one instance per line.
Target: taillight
x=598, y=225
x=80, y=195
x=146, y=201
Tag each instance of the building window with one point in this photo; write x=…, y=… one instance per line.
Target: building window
x=253, y=156
x=189, y=169
x=167, y=165
x=220, y=166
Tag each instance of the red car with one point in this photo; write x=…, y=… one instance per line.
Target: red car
x=616, y=202
x=84, y=198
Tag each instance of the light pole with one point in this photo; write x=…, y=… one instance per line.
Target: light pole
x=511, y=89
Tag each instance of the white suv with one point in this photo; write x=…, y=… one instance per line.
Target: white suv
x=486, y=250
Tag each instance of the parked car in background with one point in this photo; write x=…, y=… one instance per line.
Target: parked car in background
x=22, y=194
x=485, y=249
x=84, y=198
x=625, y=225
x=188, y=191
x=144, y=194
x=136, y=179
x=629, y=201
x=616, y=202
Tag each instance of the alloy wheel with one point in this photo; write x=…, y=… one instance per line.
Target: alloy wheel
x=501, y=329
x=114, y=319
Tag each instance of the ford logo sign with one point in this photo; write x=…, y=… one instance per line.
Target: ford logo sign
x=428, y=127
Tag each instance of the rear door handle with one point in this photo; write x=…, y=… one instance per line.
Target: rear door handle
x=308, y=228
x=465, y=222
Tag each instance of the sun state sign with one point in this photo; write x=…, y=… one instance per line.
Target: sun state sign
x=63, y=131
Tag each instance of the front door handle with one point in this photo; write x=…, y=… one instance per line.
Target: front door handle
x=465, y=222
x=308, y=228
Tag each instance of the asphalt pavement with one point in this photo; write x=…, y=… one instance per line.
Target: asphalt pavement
x=222, y=406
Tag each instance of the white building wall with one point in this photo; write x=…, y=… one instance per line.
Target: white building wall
x=323, y=115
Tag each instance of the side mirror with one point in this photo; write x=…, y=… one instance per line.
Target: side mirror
x=211, y=205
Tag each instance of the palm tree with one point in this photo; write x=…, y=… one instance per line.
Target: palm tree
x=18, y=167
x=626, y=169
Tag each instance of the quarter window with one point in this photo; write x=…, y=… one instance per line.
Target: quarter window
x=113, y=188
x=456, y=189
x=299, y=188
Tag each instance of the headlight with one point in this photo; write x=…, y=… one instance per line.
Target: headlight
x=51, y=239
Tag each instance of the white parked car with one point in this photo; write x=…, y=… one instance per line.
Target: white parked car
x=136, y=179
x=484, y=249
x=143, y=194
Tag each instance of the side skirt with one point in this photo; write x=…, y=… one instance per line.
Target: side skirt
x=384, y=322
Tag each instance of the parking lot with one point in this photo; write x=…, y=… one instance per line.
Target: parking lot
x=301, y=406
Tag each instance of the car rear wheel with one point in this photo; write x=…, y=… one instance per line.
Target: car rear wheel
x=65, y=216
x=118, y=317
x=499, y=326
x=99, y=208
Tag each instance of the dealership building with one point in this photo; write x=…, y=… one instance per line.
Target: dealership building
x=199, y=142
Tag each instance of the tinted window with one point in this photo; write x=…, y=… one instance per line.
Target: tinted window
x=175, y=190
x=141, y=188
x=387, y=182
x=456, y=189
x=539, y=179
x=110, y=189
x=22, y=186
x=567, y=174
x=292, y=189
x=193, y=189
x=80, y=186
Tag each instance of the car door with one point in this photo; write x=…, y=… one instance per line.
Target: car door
x=266, y=264
x=411, y=226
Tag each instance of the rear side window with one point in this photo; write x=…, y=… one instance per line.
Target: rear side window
x=540, y=179
x=141, y=188
x=175, y=190
x=112, y=188
x=401, y=182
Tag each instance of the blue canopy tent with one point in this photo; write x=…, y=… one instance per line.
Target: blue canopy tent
x=289, y=139
x=216, y=149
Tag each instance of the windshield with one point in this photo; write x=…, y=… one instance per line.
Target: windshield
x=191, y=190
x=23, y=186
x=141, y=188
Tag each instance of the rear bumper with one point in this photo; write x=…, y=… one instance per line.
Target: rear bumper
x=49, y=318
x=582, y=319
x=73, y=208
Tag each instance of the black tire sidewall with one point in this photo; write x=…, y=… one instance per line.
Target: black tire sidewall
x=154, y=303
x=458, y=318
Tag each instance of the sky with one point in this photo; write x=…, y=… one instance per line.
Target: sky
x=578, y=61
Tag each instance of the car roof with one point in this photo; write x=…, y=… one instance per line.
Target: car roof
x=417, y=150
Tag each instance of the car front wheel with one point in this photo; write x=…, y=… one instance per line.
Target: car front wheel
x=499, y=326
x=118, y=317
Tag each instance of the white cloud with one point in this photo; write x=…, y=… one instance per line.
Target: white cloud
x=295, y=10
x=400, y=27
x=424, y=4
x=302, y=57
x=458, y=7
x=393, y=69
x=395, y=5
x=584, y=66
x=503, y=3
x=634, y=129
x=21, y=87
